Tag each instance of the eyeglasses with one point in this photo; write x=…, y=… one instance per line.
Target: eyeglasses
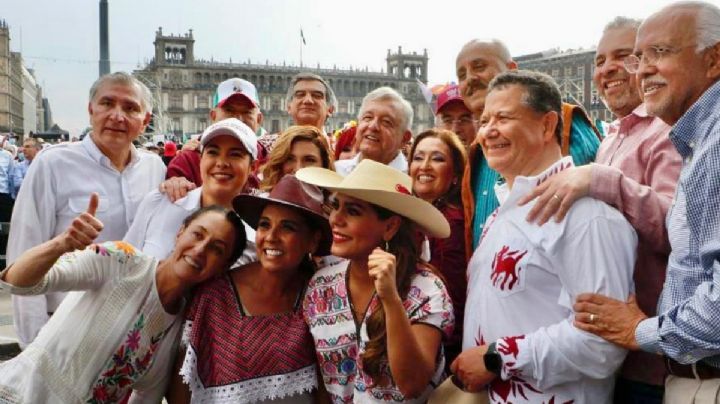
x=651, y=55
x=463, y=120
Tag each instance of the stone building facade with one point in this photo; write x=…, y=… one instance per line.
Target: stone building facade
x=184, y=85
x=573, y=71
x=11, y=93
x=22, y=106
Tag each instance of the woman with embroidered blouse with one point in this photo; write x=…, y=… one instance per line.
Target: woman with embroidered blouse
x=378, y=318
x=245, y=337
x=113, y=340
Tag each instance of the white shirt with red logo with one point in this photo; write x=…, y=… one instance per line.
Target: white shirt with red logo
x=522, y=282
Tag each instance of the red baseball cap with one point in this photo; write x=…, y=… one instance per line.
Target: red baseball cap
x=451, y=93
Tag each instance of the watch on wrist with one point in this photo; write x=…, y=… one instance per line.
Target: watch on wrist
x=493, y=360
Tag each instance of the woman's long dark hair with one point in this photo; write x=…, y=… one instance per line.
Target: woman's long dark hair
x=405, y=248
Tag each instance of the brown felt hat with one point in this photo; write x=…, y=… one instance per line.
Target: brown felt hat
x=291, y=192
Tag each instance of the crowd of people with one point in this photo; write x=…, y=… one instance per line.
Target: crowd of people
x=511, y=254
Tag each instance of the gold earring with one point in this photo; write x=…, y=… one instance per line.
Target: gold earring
x=387, y=246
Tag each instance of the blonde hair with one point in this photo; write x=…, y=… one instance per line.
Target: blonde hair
x=272, y=171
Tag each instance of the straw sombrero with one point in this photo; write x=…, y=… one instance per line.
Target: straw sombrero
x=384, y=186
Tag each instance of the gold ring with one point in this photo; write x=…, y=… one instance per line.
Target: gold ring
x=556, y=197
x=592, y=318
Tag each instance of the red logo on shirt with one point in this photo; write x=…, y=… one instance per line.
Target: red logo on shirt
x=509, y=346
x=515, y=386
x=505, y=269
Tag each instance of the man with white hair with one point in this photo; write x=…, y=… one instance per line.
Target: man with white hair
x=384, y=123
x=61, y=179
x=677, y=62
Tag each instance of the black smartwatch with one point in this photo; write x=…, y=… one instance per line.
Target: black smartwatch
x=493, y=360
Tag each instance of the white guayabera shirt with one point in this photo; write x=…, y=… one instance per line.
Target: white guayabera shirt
x=522, y=282
x=57, y=189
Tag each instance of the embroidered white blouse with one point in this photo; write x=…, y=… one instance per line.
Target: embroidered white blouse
x=101, y=343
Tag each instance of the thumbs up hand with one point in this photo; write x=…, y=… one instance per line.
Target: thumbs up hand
x=84, y=229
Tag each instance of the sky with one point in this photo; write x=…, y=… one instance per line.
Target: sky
x=60, y=39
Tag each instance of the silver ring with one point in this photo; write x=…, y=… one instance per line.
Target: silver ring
x=556, y=197
x=592, y=318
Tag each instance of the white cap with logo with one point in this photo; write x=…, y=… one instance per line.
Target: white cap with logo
x=236, y=87
x=235, y=128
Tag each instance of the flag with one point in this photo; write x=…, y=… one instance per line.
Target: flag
x=302, y=36
x=426, y=92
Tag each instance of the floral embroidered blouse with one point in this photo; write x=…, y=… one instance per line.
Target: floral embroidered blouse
x=111, y=341
x=340, y=342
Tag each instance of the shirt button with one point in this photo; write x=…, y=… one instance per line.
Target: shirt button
x=484, y=192
x=691, y=144
x=688, y=159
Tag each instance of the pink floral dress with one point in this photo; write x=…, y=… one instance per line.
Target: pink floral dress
x=339, y=341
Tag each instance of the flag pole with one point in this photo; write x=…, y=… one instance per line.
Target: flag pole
x=302, y=40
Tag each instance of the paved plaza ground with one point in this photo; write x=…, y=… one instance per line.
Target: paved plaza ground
x=8, y=339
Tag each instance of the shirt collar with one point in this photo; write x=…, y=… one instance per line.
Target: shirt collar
x=684, y=133
x=399, y=162
x=99, y=157
x=623, y=124
x=523, y=185
x=191, y=201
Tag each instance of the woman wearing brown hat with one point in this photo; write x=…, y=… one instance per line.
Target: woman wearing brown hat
x=378, y=318
x=245, y=336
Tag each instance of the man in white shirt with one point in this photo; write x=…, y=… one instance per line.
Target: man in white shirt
x=58, y=184
x=522, y=279
x=383, y=128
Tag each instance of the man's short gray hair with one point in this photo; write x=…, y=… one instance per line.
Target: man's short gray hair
x=707, y=20
x=34, y=143
x=622, y=22
x=400, y=103
x=127, y=79
x=330, y=98
x=708, y=25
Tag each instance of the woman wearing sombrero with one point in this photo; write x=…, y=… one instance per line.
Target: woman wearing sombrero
x=378, y=318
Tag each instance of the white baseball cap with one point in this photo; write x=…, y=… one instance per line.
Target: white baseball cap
x=236, y=87
x=235, y=128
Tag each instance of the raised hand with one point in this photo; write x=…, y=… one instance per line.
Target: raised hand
x=84, y=229
x=381, y=267
x=176, y=187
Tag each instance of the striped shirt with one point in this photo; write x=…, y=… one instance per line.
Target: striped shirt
x=686, y=329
